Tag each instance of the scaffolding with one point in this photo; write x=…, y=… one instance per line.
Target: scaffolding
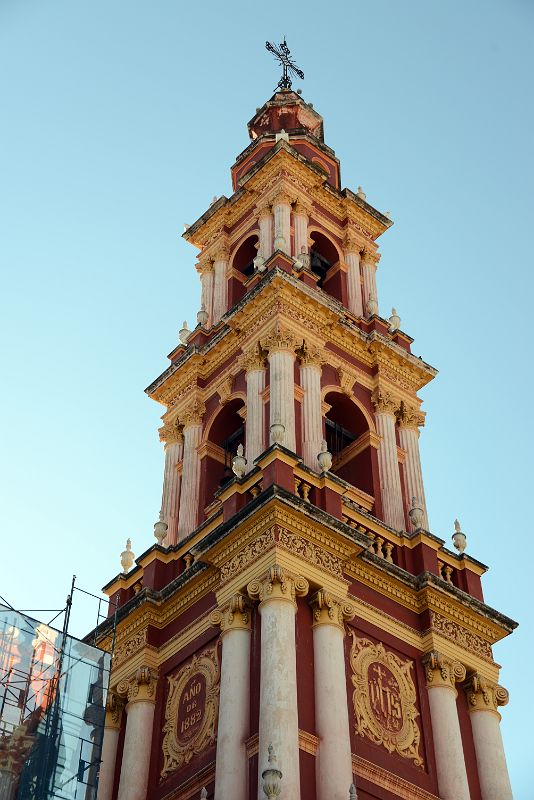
x=52, y=708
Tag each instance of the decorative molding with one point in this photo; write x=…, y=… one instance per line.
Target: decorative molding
x=128, y=648
x=384, y=401
x=399, y=787
x=384, y=699
x=247, y=555
x=311, y=552
x=460, y=636
x=114, y=709
x=193, y=413
x=191, y=711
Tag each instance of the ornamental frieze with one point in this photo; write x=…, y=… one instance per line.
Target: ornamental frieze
x=191, y=711
x=384, y=699
x=460, y=636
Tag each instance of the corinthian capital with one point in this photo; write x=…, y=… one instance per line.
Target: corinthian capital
x=410, y=416
x=351, y=244
x=171, y=434
x=277, y=584
x=483, y=695
x=252, y=360
x=310, y=356
x=302, y=207
x=328, y=610
x=370, y=256
x=441, y=671
x=384, y=401
x=235, y=615
x=279, y=339
x=193, y=413
x=139, y=687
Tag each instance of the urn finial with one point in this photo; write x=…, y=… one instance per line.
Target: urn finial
x=324, y=457
x=239, y=462
x=184, y=332
x=160, y=529
x=459, y=539
x=127, y=557
x=416, y=514
x=394, y=321
x=271, y=777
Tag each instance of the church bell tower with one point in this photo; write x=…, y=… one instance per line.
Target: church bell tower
x=297, y=630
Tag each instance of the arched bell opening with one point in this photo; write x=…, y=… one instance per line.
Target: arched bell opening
x=348, y=438
x=226, y=433
x=324, y=258
x=243, y=264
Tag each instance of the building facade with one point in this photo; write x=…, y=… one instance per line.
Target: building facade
x=297, y=631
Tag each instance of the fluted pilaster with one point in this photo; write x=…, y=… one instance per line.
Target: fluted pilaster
x=334, y=759
x=312, y=419
x=254, y=364
x=281, y=354
x=282, y=223
x=483, y=699
x=234, y=701
x=300, y=222
x=189, y=495
x=442, y=674
x=170, y=501
x=266, y=232
x=388, y=463
x=278, y=724
x=220, y=287
x=354, y=286
x=369, y=263
x=409, y=420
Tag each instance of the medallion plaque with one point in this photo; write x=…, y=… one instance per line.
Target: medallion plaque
x=384, y=698
x=191, y=711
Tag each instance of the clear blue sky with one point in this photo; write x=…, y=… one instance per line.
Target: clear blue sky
x=119, y=123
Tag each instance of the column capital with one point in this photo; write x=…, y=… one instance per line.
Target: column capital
x=484, y=695
x=351, y=244
x=277, y=584
x=441, y=671
x=280, y=339
x=204, y=264
x=410, y=416
x=310, y=356
x=302, y=207
x=370, y=256
x=234, y=615
x=114, y=709
x=330, y=610
x=384, y=401
x=252, y=360
x=140, y=687
x=171, y=434
x=282, y=199
x=192, y=414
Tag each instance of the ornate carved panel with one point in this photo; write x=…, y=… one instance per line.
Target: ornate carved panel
x=191, y=711
x=384, y=698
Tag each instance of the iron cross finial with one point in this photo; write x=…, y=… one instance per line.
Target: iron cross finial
x=283, y=54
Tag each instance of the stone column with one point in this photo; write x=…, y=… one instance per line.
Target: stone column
x=441, y=676
x=370, y=259
x=220, y=285
x=333, y=765
x=141, y=693
x=282, y=223
x=281, y=349
x=112, y=725
x=388, y=463
x=207, y=276
x=300, y=219
x=189, y=495
x=278, y=723
x=483, y=698
x=254, y=364
x=231, y=763
x=170, y=501
x=409, y=420
x=312, y=417
x=354, y=285
x=265, y=220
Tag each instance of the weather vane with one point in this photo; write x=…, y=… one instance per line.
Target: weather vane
x=283, y=54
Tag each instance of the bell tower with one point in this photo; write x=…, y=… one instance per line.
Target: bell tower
x=297, y=630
